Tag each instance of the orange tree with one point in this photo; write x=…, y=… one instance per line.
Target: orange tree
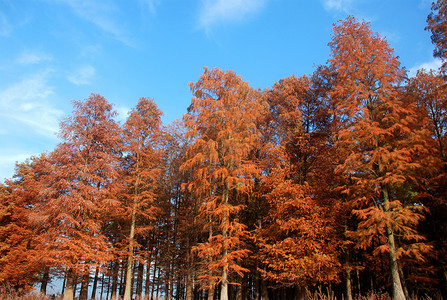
x=221, y=121
x=81, y=190
x=142, y=171
x=373, y=130
x=437, y=24
x=429, y=93
x=297, y=242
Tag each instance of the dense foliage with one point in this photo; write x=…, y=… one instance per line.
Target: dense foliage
x=336, y=180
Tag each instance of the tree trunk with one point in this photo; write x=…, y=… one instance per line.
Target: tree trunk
x=404, y=283
x=300, y=292
x=158, y=283
x=225, y=220
x=122, y=278
x=102, y=287
x=95, y=283
x=264, y=291
x=359, y=290
x=398, y=292
x=44, y=281
x=211, y=293
x=189, y=273
x=69, y=291
x=83, y=295
x=63, y=283
x=114, y=279
x=139, y=290
x=348, y=282
x=129, y=271
x=148, y=267
x=153, y=279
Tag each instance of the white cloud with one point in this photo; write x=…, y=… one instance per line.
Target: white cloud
x=5, y=27
x=123, y=113
x=435, y=64
x=83, y=75
x=25, y=106
x=103, y=15
x=217, y=11
x=8, y=159
x=27, y=58
x=337, y=5
x=149, y=4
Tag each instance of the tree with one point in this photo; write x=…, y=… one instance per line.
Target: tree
x=81, y=190
x=296, y=240
x=221, y=121
x=374, y=132
x=428, y=91
x=437, y=24
x=22, y=260
x=144, y=148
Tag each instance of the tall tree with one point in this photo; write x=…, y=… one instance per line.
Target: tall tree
x=429, y=93
x=221, y=120
x=294, y=240
x=82, y=189
x=144, y=148
x=22, y=260
x=437, y=24
x=374, y=133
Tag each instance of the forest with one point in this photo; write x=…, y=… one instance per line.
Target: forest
x=330, y=184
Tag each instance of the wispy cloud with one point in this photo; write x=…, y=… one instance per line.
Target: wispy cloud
x=5, y=26
x=26, y=106
x=213, y=12
x=8, y=159
x=83, y=75
x=123, y=113
x=102, y=14
x=337, y=5
x=435, y=64
x=27, y=57
x=149, y=4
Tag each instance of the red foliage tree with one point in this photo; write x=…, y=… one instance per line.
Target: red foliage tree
x=81, y=190
x=221, y=120
x=21, y=260
x=437, y=24
x=375, y=134
x=297, y=245
x=144, y=147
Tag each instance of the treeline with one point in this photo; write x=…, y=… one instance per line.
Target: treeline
x=335, y=180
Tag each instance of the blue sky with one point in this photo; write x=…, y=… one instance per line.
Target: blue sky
x=55, y=51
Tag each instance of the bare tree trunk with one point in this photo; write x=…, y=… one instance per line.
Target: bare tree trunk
x=358, y=283
x=129, y=271
x=102, y=287
x=398, y=292
x=158, y=282
x=264, y=291
x=115, y=271
x=44, y=281
x=95, y=283
x=83, y=295
x=153, y=279
x=122, y=278
x=348, y=282
x=225, y=221
x=300, y=292
x=189, y=273
x=63, y=283
x=211, y=293
x=139, y=290
x=69, y=291
x=404, y=283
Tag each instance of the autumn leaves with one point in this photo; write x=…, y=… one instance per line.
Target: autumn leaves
x=262, y=193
